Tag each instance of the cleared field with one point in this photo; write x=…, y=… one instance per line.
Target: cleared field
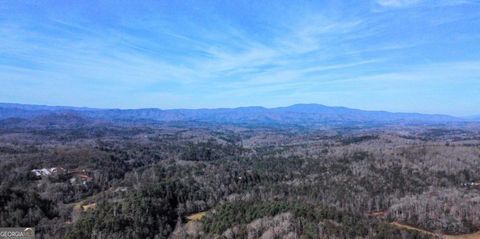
x=197, y=216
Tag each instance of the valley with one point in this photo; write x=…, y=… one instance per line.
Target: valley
x=196, y=180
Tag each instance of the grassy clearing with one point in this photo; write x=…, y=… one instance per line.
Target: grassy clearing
x=197, y=216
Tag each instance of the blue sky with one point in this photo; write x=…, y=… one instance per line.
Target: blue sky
x=395, y=55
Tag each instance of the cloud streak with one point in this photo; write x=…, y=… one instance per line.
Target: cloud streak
x=206, y=59
x=397, y=3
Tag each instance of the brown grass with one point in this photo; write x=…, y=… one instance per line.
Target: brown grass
x=197, y=216
x=89, y=206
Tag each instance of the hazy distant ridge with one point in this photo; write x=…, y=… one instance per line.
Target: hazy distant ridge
x=295, y=114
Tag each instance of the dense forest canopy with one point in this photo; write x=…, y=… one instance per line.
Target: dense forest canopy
x=205, y=180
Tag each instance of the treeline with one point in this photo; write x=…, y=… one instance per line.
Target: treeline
x=303, y=220
x=277, y=183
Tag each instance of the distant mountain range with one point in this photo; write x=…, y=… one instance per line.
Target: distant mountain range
x=473, y=118
x=296, y=114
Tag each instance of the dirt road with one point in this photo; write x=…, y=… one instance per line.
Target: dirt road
x=475, y=235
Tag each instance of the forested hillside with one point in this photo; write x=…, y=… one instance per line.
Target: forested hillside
x=299, y=114
x=78, y=178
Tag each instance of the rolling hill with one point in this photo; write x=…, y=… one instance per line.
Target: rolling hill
x=310, y=114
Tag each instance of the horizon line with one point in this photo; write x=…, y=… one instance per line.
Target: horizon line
x=237, y=107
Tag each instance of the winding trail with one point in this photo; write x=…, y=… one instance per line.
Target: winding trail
x=475, y=235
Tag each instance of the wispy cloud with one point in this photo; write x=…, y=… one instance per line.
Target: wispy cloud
x=397, y=3
x=206, y=59
x=427, y=3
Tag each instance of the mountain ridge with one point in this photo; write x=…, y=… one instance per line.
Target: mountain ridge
x=293, y=114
